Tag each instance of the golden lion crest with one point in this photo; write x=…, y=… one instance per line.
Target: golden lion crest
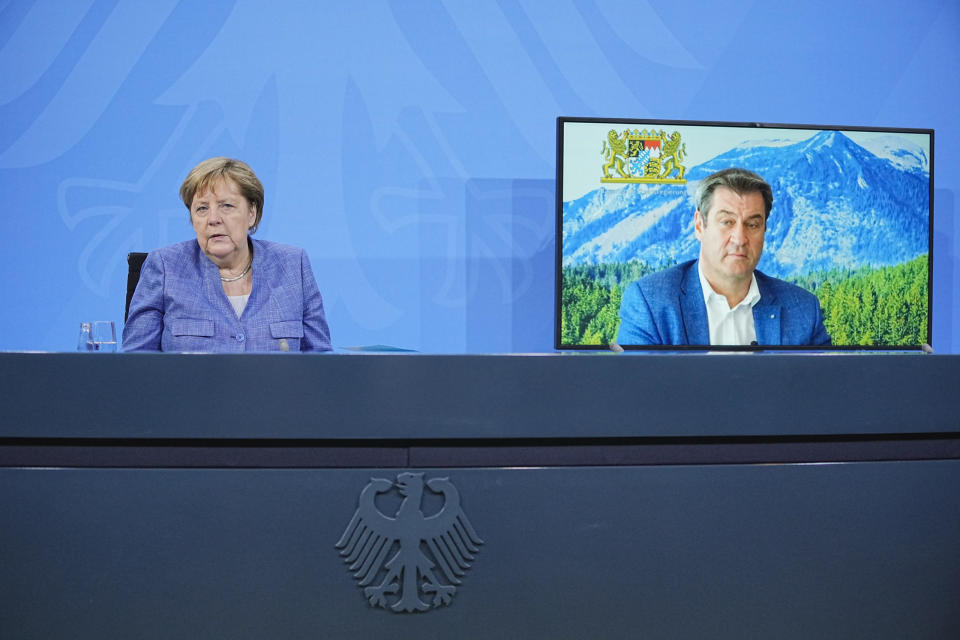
x=644, y=156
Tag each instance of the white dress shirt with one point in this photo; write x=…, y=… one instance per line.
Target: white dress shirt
x=730, y=326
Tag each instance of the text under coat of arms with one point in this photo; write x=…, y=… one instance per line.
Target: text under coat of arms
x=650, y=157
x=397, y=557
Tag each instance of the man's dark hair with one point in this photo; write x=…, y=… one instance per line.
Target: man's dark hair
x=740, y=181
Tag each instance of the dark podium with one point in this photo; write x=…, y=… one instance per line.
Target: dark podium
x=540, y=496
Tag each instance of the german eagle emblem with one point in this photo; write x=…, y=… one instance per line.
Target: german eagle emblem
x=418, y=543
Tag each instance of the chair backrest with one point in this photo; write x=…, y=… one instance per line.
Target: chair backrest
x=134, y=262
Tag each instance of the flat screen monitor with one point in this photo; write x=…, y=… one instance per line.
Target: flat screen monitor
x=851, y=223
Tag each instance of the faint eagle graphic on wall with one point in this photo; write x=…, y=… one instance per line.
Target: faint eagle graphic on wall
x=418, y=543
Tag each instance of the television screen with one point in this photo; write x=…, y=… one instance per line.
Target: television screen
x=851, y=223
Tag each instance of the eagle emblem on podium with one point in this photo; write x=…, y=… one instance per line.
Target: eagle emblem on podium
x=398, y=557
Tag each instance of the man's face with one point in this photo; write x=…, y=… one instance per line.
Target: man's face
x=731, y=236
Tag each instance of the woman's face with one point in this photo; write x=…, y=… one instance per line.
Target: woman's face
x=221, y=217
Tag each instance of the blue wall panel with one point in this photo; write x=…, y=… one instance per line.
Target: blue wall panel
x=409, y=147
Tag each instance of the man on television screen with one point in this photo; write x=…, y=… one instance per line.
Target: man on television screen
x=720, y=298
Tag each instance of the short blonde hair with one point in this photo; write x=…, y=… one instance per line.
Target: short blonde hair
x=206, y=174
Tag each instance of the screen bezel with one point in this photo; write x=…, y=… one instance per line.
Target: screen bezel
x=558, y=260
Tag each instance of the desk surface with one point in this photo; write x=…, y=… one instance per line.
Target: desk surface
x=451, y=397
x=162, y=536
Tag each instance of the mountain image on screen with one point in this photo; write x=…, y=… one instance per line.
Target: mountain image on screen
x=836, y=205
x=850, y=223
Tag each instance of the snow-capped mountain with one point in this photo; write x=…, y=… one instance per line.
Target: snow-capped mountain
x=835, y=204
x=900, y=152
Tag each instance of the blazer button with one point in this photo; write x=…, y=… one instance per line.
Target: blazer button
x=240, y=337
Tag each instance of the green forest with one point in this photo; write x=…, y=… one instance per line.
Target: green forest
x=884, y=306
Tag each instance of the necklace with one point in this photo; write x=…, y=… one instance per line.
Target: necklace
x=245, y=272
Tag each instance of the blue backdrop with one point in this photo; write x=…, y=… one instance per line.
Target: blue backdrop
x=409, y=146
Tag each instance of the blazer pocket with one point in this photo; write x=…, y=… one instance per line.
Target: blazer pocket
x=287, y=329
x=192, y=327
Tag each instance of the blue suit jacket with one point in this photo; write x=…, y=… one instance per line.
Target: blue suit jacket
x=667, y=308
x=179, y=304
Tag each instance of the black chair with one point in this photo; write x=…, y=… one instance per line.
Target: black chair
x=134, y=262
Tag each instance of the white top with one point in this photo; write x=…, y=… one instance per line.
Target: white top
x=730, y=326
x=239, y=303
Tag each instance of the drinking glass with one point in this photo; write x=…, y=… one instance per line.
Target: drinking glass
x=100, y=335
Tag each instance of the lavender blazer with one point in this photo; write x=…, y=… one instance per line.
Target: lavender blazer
x=179, y=304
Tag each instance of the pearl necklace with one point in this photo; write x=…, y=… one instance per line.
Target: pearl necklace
x=245, y=272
